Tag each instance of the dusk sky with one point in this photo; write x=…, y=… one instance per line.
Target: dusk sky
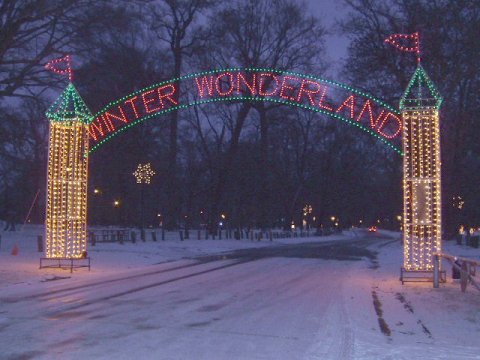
x=330, y=11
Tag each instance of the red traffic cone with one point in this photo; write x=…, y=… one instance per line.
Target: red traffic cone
x=15, y=250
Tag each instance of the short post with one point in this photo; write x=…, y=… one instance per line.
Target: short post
x=93, y=239
x=142, y=234
x=206, y=234
x=199, y=235
x=154, y=236
x=181, y=235
x=163, y=234
x=133, y=236
x=270, y=235
x=120, y=236
x=40, y=243
x=436, y=270
x=464, y=276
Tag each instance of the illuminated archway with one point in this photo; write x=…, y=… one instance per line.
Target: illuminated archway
x=71, y=124
x=336, y=100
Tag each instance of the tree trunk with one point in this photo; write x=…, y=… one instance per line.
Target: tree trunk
x=263, y=195
x=173, y=198
x=226, y=167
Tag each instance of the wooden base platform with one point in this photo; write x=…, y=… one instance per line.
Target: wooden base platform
x=65, y=263
x=420, y=275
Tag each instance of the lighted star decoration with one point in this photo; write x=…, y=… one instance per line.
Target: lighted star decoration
x=144, y=173
x=458, y=202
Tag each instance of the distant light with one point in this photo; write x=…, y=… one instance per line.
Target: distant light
x=220, y=223
x=307, y=210
x=332, y=218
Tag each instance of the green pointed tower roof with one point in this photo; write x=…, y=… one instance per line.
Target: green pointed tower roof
x=420, y=91
x=69, y=106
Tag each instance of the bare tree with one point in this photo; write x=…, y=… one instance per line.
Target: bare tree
x=267, y=33
x=176, y=24
x=31, y=33
x=450, y=48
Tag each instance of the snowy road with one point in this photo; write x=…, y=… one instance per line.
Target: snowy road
x=282, y=302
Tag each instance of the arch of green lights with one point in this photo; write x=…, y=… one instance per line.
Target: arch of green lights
x=248, y=98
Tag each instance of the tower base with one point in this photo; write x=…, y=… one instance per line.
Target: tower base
x=65, y=263
x=420, y=275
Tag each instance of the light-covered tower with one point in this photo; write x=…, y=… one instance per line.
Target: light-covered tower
x=66, y=218
x=422, y=220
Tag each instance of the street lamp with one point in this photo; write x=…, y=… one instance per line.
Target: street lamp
x=96, y=214
x=222, y=221
x=143, y=176
x=116, y=205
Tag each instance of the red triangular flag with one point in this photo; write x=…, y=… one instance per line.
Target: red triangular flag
x=61, y=66
x=406, y=42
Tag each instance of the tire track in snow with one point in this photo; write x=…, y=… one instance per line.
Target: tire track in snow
x=66, y=310
x=378, y=310
x=348, y=339
x=61, y=291
x=409, y=308
x=335, y=339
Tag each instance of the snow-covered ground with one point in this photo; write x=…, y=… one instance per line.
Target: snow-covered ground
x=153, y=300
x=113, y=258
